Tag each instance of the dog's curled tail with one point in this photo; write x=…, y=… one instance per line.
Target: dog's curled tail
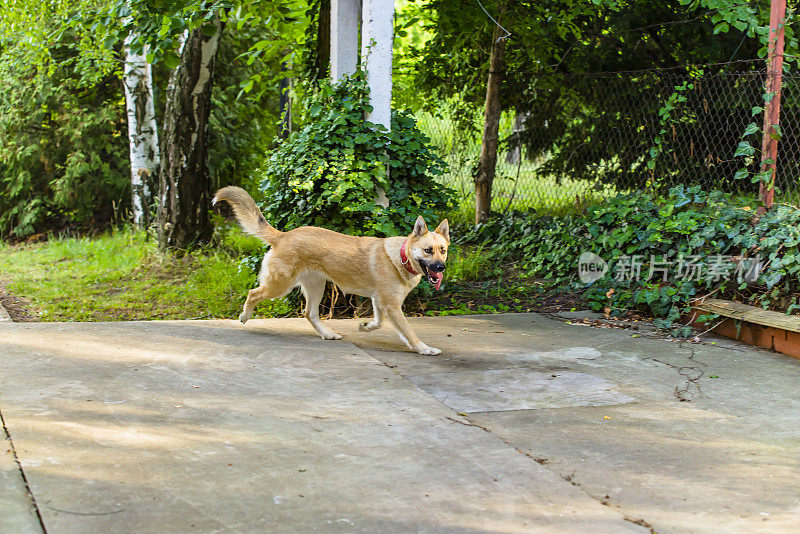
x=247, y=213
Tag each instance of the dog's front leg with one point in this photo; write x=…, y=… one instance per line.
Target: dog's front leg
x=407, y=334
x=376, y=322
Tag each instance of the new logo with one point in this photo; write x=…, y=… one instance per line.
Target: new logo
x=591, y=267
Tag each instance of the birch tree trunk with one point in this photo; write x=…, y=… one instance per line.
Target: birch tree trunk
x=184, y=179
x=488, y=159
x=137, y=81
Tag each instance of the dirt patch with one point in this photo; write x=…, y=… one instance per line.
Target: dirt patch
x=20, y=309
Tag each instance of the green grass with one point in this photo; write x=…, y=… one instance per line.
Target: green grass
x=467, y=264
x=123, y=276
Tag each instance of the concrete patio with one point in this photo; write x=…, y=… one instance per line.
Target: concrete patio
x=523, y=424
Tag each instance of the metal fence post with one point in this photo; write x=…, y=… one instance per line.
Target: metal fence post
x=772, y=112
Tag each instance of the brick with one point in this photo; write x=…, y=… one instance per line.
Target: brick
x=788, y=344
x=727, y=328
x=755, y=334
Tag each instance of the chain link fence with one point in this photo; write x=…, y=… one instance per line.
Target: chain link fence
x=593, y=135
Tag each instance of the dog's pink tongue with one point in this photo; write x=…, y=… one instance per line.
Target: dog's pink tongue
x=438, y=277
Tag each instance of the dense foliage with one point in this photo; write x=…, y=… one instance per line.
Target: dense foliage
x=704, y=229
x=63, y=130
x=242, y=124
x=583, y=36
x=63, y=148
x=345, y=173
x=584, y=83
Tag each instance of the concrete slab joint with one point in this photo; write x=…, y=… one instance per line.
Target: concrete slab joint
x=19, y=512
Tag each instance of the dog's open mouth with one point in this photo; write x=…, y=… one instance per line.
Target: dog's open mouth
x=434, y=278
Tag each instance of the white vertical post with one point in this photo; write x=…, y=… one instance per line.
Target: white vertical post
x=344, y=37
x=377, y=32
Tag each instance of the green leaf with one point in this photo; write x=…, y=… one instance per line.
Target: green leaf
x=171, y=59
x=744, y=149
x=208, y=30
x=751, y=129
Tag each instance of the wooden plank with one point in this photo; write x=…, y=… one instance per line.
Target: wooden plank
x=752, y=314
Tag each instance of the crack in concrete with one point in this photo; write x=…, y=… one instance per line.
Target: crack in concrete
x=541, y=461
x=605, y=500
x=691, y=374
x=568, y=478
x=641, y=522
x=22, y=473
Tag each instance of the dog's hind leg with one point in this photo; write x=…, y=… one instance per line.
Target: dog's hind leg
x=369, y=326
x=313, y=286
x=273, y=287
x=274, y=281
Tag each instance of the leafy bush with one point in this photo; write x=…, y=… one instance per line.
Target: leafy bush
x=687, y=223
x=63, y=148
x=335, y=170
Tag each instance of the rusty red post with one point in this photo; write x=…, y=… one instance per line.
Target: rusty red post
x=772, y=112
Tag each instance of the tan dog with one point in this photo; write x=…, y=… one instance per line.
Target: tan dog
x=385, y=270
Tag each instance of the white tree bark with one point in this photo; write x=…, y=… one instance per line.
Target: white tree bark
x=142, y=129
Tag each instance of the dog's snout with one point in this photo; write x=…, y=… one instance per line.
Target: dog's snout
x=437, y=266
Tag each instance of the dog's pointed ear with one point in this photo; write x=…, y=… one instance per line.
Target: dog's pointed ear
x=420, y=228
x=444, y=230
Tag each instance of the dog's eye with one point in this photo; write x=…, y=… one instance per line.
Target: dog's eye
x=428, y=250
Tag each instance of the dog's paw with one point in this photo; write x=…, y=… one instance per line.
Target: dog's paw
x=331, y=335
x=368, y=326
x=243, y=317
x=425, y=350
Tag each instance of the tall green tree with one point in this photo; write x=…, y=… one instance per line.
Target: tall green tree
x=184, y=180
x=63, y=151
x=145, y=152
x=64, y=65
x=186, y=37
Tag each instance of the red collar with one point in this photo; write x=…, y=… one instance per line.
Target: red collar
x=404, y=259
